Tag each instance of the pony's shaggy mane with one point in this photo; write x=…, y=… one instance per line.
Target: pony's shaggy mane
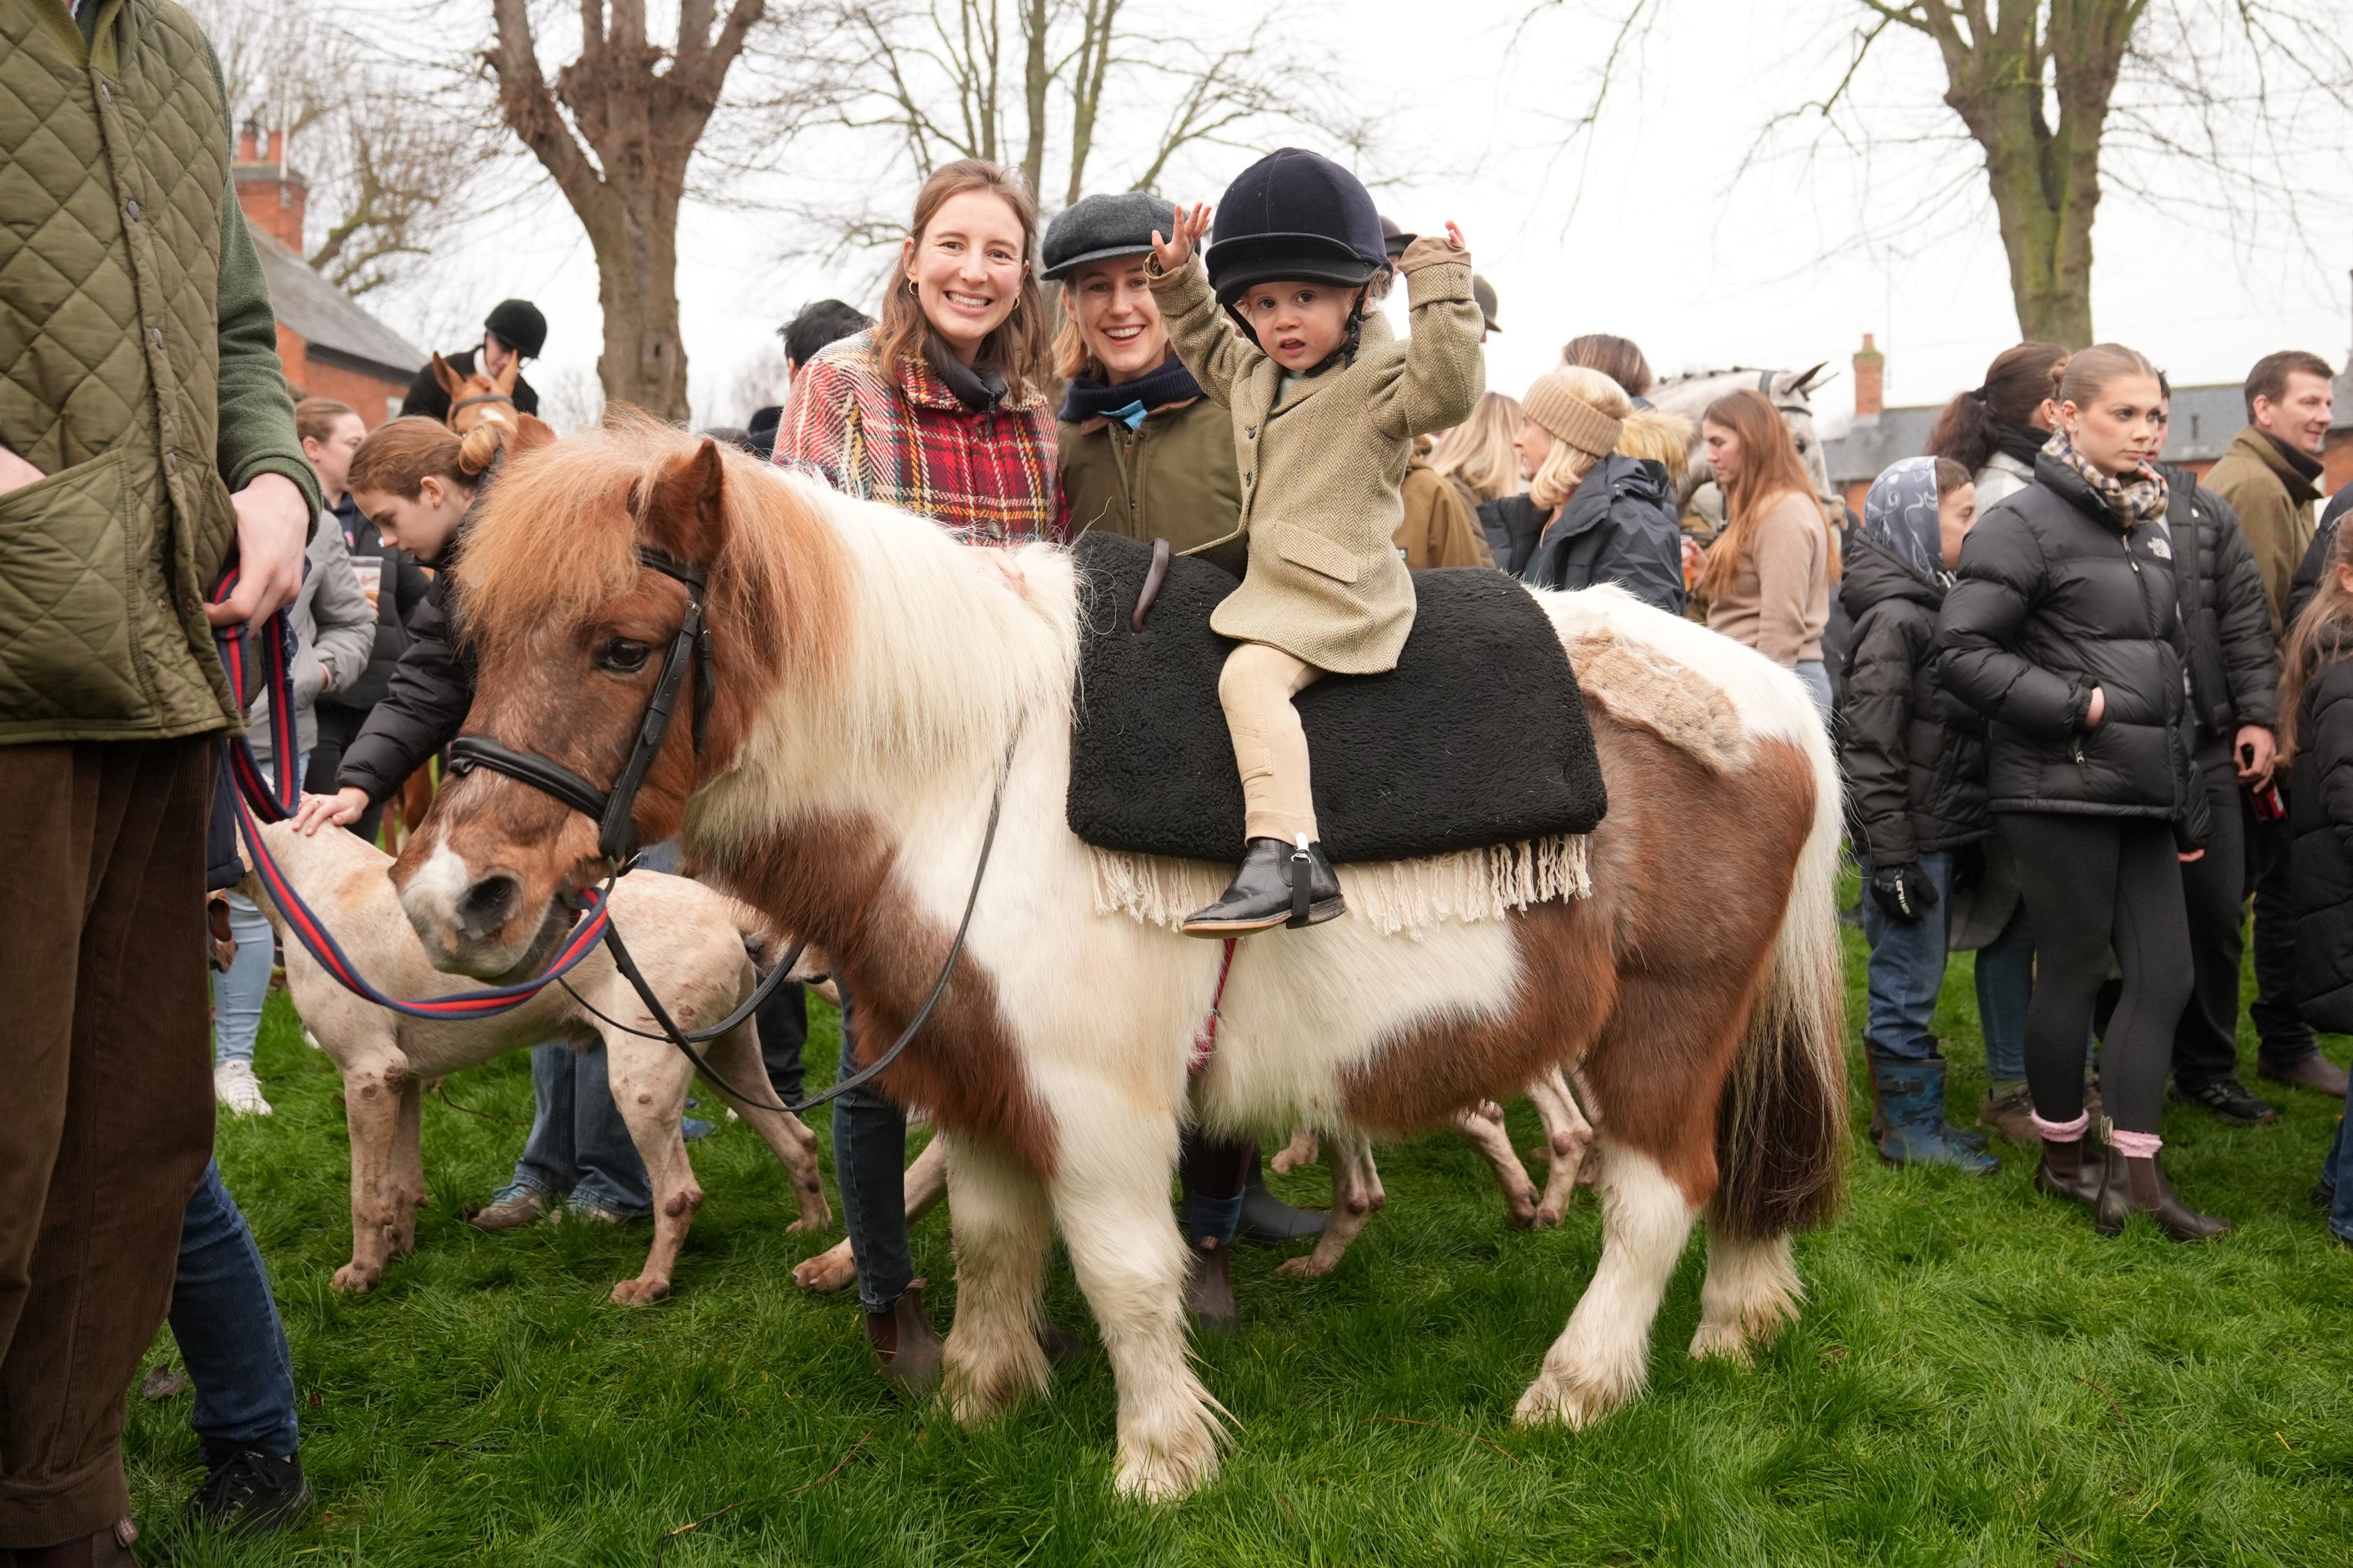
x=559, y=532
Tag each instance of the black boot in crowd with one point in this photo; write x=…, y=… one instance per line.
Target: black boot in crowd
x=2130, y=1185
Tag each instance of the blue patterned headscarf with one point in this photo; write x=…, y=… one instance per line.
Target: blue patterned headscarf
x=1900, y=512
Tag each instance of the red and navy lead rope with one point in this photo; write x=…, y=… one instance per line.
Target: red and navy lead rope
x=275, y=800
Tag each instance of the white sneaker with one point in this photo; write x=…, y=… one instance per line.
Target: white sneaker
x=234, y=1085
x=311, y=1039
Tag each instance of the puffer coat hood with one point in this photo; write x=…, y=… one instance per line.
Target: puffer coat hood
x=2056, y=598
x=1912, y=752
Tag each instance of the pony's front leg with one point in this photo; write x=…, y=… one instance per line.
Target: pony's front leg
x=1568, y=1134
x=1356, y=1196
x=409, y=1161
x=926, y=1184
x=1487, y=1135
x=1601, y=1359
x=371, y=1118
x=735, y=1056
x=1003, y=1223
x=649, y=1083
x=1111, y=1199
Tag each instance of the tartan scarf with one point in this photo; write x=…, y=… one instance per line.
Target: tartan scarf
x=2136, y=500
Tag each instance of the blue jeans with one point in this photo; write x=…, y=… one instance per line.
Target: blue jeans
x=239, y=992
x=2337, y=1175
x=228, y=1331
x=1907, y=971
x=578, y=1142
x=1817, y=680
x=869, y=1162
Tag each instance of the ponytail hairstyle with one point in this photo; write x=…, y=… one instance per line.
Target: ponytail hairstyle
x=1479, y=451
x=2016, y=385
x=1020, y=347
x=2315, y=640
x=1769, y=469
x=1619, y=359
x=400, y=454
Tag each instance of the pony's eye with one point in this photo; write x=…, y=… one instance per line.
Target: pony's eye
x=623, y=656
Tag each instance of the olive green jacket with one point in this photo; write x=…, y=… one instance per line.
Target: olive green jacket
x=1323, y=459
x=1171, y=478
x=138, y=371
x=2275, y=507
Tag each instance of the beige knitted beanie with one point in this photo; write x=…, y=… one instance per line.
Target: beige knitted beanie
x=1556, y=403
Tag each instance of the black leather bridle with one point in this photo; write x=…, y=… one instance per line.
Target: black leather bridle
x=611, y=810
x=616, y=840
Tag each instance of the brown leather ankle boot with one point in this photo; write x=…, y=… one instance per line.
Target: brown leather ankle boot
x=2130, y=1186
x=903, y=1339
x=2064, y=1173
x=1209, y=1291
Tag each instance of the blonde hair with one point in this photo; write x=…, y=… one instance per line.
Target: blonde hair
x=1479, y=451
x=2330, y=611
x=1564, y=466
x=1655, y=435
x=1017, y=348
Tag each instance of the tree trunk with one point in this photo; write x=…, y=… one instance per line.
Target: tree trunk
x=644, y=361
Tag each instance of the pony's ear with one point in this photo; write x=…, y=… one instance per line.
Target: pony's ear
x=683, y=516
x=1807, y=382
x=531, y=433
x=504, y=381
x=450, y=381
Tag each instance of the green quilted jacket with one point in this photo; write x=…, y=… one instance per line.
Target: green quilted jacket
x=138, y=371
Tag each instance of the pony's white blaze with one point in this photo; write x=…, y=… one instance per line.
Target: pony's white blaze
x=433, y=896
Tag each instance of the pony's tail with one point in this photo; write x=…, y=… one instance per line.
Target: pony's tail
x=1780, y=1131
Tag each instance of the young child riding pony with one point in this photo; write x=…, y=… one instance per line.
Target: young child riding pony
x=1325, y=412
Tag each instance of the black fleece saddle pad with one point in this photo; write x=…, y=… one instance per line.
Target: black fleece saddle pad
x=1477, y=737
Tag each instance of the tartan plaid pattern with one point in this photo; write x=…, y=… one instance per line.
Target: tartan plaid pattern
x=904, y=439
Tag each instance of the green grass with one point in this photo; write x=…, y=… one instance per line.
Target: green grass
x=1978, y=1378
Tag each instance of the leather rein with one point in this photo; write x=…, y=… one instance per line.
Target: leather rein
x=612, y=810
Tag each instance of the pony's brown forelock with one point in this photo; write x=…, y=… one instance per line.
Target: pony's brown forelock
x=559, y=534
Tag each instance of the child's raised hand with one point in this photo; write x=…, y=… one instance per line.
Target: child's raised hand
x=1454, y=236
x=1178, y=249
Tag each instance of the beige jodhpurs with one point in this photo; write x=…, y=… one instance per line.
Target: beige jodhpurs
x=1256, y=687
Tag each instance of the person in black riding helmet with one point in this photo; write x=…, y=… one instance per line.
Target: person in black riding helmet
x=2065, y=631
x=514, y=330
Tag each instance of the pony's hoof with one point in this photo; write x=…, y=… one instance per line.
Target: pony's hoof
x=807, y=1222
x=826, y=1272
x=355, y=1280
x=1722, y=1341
x=1307, y=1267
x=1166, y=1475
x=1575, y=1405
x=1546, y=1217
x=1524, y=1213
x=639, y=1292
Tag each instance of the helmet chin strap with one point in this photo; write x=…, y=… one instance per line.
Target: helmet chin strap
x=1346, y=353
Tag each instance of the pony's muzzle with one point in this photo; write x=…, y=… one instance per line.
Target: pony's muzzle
x=468, y=922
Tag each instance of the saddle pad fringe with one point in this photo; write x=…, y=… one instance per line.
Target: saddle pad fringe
x=1395, y=896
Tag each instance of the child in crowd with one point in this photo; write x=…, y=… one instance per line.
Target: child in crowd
x=1914, y=755
x=2315, y=740
x=1324, y=419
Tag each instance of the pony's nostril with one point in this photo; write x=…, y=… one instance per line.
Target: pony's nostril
x=489, y=904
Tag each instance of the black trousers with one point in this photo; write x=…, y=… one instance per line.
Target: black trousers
x=2094, y=885
x=2214, y=893
x=783, y=1017
x=2282, y=1037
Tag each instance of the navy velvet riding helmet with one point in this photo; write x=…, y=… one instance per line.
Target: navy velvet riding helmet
x=1294, y=215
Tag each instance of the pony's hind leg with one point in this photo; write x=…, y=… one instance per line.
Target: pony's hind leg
x=1487, y=1135
x=736, y=1057
x=1356, y=1196
x=926, y=1184
x=409, y=1161
x=1600, y=1359
x=1111, y=1201
x=371, y=1118
x=1751, y=1290
x=1568, y=1134
x=1300, y=1151
x=649, y=1082
x=1003, y=1224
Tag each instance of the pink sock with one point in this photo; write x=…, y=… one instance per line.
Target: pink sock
x=2063, y=1132
x=2135, y=1146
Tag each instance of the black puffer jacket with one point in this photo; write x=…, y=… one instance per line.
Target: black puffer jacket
x=1914, y=754
x=2054, y=599
x=401, y=587
x=426, y=399
x=431, y=690
x=1618, y=527
x=1512, y=524
x=2233, y=661
x=2306, y=579
x=2320, y=815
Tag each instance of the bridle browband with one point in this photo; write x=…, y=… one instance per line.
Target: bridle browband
x=611, y=810
x=480, y=397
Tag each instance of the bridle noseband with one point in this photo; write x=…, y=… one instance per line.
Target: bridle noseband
x=611, y=810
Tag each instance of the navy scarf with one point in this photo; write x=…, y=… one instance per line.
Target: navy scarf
x=1130, y=401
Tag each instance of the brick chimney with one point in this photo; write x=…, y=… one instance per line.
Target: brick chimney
x=272, y=194
x=1870, y=383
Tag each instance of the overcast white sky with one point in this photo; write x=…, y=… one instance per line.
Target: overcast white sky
x=1667, y=243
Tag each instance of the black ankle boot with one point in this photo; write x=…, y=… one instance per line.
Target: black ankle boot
x=1209, y=1289
x=1277, y=884
x=2132, y=1186
x=1268, y=1221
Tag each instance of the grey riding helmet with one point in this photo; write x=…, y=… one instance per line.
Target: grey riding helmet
x=1103, y=228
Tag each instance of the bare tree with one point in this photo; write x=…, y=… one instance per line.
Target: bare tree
x=2194, y=103
x=389, y=157
x=1032, y=79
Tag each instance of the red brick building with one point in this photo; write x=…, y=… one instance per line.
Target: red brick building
x=330, y=347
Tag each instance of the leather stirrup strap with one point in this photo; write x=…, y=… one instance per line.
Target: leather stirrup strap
x=1154, y=575
x=1302, y=871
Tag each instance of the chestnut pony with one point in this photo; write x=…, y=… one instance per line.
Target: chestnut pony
x=872, y=678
